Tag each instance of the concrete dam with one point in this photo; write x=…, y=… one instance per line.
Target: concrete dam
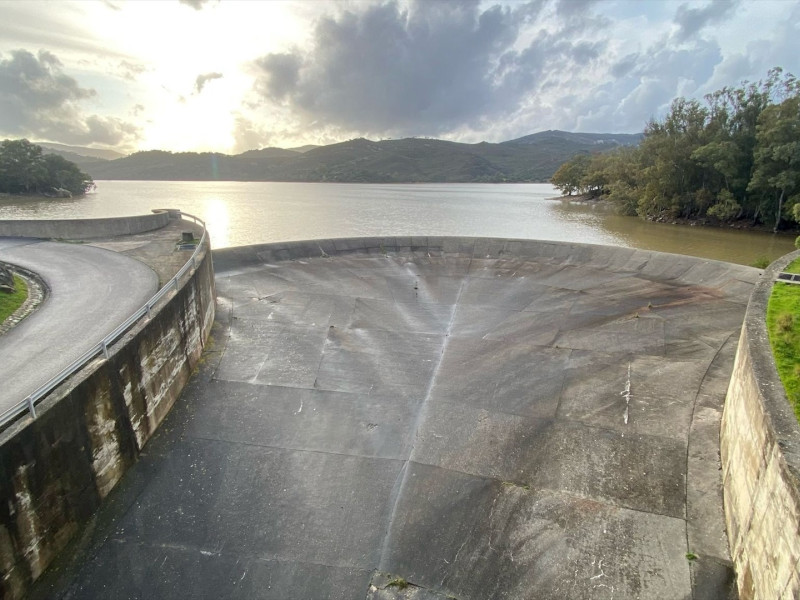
x=436, y=418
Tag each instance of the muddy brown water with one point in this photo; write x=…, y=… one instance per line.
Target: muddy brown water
x=243, y=213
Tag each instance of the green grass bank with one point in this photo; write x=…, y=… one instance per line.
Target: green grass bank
x=11, y=302
x=783, y=324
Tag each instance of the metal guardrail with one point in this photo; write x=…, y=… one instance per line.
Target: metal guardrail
x=29, y=403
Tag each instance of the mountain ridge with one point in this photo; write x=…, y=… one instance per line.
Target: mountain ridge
x=532, y=158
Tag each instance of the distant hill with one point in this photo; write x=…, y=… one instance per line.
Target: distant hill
x=81, y=151
x=305, y=148
x=532, y=158
x=598, y=140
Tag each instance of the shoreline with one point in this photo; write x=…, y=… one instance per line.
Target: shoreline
x=707, y=222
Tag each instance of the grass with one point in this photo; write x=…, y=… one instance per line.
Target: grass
x=11, y=302
x=793, y=267
x=762, y=262
x=783, y=325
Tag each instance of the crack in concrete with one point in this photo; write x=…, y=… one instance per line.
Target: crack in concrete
x=626, y=392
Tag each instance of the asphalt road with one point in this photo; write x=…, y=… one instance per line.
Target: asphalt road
x=91, y=292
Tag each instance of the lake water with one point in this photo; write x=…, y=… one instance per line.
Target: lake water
x=239, y=213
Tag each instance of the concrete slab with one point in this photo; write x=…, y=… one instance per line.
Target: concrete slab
x=504, y=541
x=473, y=418
x=312, y=420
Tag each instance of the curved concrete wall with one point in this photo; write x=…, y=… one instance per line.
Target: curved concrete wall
x=56, y=470
x=679, y=268
x=85, y=228
x=760, y=449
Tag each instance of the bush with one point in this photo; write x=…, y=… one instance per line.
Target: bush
x=726, y=208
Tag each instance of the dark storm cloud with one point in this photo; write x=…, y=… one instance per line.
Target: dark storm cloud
x=37, y=99
x=691, y=20
x=428, y=69
x=204, y=78
x=283, y=74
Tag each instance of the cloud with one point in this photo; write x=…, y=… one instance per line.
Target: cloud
x=26, y=25
x=691, y=20
x=37, y=99
x=195, y=4
x=644, y=85
x=468, y=72
x=130, y=70
x=282, y=74
x=204, y=78
x=426, y=69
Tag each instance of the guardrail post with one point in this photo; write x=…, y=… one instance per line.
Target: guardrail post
x=147, y=309
x=105, y=349
x=31, y=407
x=175, y=283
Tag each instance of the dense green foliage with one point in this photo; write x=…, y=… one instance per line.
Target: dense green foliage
x=25, y=169
x=11, y=302
x=783, y=325
x=735, y=156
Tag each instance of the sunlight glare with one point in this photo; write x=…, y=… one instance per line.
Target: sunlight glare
x=217, y=221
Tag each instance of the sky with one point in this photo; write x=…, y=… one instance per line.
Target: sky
x=230, y=76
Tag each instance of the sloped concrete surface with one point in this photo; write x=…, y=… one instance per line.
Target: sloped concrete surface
x=479, y=419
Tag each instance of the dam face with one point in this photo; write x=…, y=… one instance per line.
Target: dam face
x=475, y=418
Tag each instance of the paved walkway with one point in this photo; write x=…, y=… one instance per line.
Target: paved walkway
x=514, y=428
x=91, y=292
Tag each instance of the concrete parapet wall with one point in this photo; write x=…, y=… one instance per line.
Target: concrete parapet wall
x=84, y=228
x=760, y=449
x=671, y=267
x=56, y=470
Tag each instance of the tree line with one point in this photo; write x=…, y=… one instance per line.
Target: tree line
x=25, y=169
x=735, y=156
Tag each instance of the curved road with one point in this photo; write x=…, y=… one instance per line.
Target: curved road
x=91, y=292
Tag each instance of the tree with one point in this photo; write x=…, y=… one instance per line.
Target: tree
x=569, y=175
x=776, y=171
x=65, y=174
x=24, y=169
x=736, y=156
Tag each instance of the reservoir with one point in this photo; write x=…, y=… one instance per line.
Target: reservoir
x=241, y=213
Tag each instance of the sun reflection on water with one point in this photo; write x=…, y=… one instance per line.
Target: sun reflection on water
x=217, y=218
